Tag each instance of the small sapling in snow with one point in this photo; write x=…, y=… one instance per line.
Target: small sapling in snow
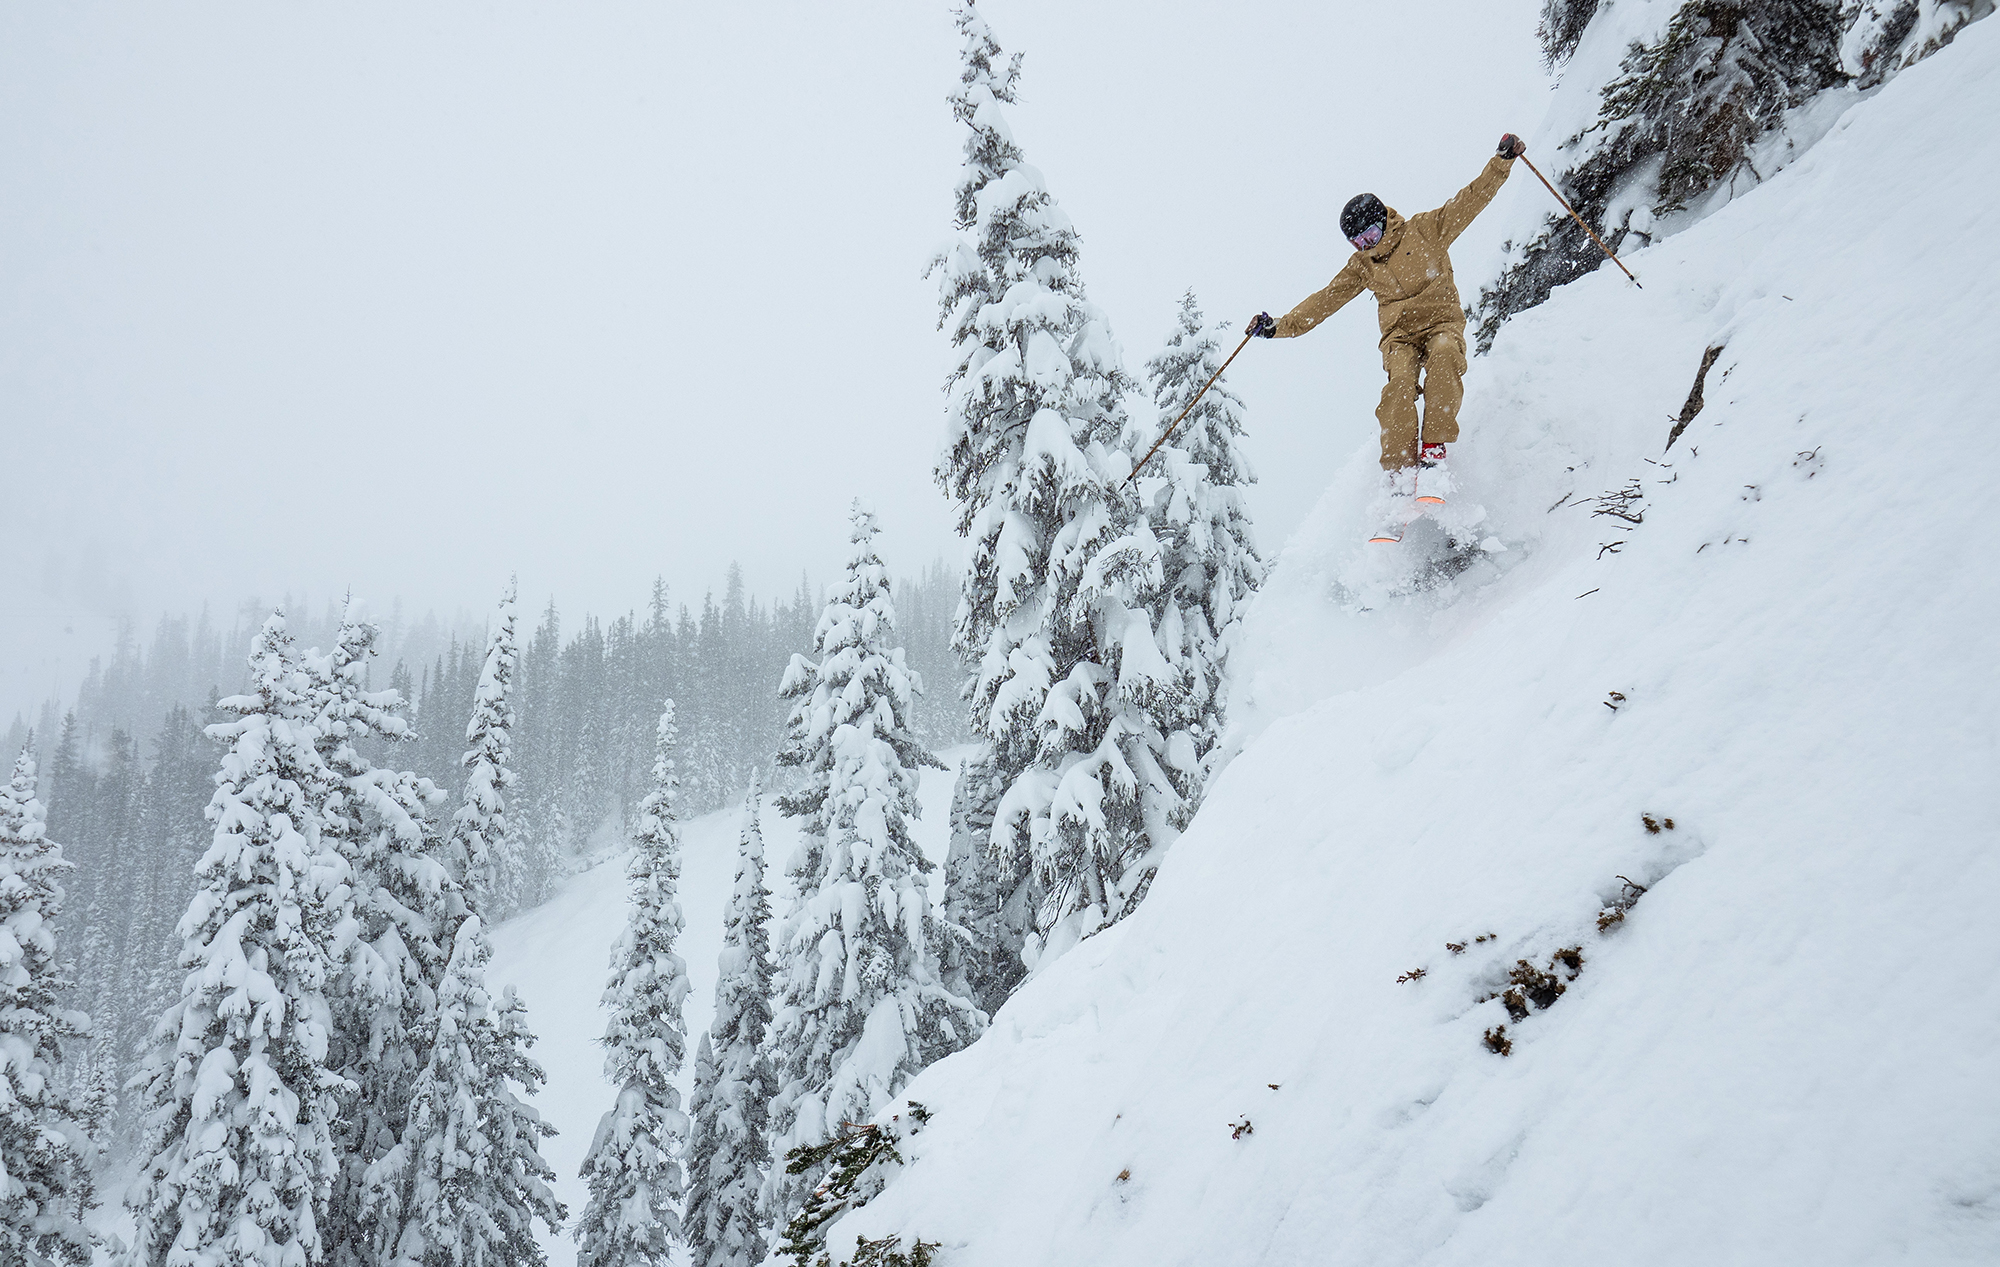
x=1614, y=700
x=1626, y=504
x=1237, y=1130
x=1124, y=1174
x=861, y=1157
x=1571, y=959
x=888, y=1252
x=1455, y=947
x=1614, y=914
x=1654, y=826
x=1497, y=1041
x=1414, y=974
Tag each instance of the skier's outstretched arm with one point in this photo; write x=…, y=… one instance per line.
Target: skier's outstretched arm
x=1457, y=214
x=1322, y=303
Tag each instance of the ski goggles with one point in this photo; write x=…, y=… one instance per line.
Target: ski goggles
x=1367, y=237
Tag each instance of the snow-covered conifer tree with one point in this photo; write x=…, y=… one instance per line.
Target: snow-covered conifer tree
x=495, y=864
x=704, y=1141
x=405, y=901
x=241, y=1105
x=862, y=1006
x=1675, y=129
x=45, y=1146
x=467, y=1180
x=988, y=896
x=729, y=1156
x=1194, y=495
x=1885, y=37
x=633, y=1167
x=1054, y=620
x=1561, y=28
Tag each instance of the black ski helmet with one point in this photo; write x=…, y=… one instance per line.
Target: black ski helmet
x=1361, y=211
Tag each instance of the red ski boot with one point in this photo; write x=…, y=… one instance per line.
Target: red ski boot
x=1432, y=480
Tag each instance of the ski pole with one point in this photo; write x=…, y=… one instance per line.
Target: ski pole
x=1184, y=413
x=1579, y=219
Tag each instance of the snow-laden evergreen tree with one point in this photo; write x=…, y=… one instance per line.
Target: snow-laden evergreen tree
x=1068, y=685
x=862, y=1006
x=633, y=1167
x=988, y=895
x=858, y=1163
x=69, y=780
x=729, y=1157
x=172, y=836
x=96, y=1098
x=503, y=870
x=1885, y=37
x=45, y=1145
x=1675, y=129
x=404, y=902
x=1194, y=492
x=704, y=1139
x=241, y=1105
x=1561, y=28
x=466, y=1182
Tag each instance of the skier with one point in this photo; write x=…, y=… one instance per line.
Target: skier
x=1405, y=262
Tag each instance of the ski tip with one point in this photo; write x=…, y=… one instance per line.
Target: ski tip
x=1383, y=541
x=1428, y=500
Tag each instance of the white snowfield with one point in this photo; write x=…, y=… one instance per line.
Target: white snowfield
x=1789, y=1050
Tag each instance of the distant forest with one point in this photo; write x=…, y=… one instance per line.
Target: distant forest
x=127, y=771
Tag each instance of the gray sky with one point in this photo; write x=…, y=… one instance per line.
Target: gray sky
x=406, y=297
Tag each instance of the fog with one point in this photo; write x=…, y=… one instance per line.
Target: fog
x=402, y=299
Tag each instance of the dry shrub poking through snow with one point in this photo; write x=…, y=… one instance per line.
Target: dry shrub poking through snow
x=888, y=1252
x=1614, y=914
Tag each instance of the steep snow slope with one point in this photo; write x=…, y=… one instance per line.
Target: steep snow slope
x=1786, y=1052
x=558, y=955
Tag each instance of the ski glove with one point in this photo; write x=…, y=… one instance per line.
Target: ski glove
x=1512, y=146
x=1263, y=326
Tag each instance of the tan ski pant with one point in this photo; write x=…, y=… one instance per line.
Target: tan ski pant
x=1439, y=353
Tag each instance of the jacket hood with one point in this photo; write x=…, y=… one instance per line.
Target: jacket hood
x=1392, y=237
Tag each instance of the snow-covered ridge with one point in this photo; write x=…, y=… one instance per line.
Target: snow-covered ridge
x=1782, y=1051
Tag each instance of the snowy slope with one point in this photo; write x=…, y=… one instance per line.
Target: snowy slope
x=558, y=954
x=1786, y=1053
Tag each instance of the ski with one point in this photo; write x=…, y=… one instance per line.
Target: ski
x=1416, y=488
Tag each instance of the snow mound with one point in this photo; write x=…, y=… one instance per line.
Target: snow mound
x=1701, y=767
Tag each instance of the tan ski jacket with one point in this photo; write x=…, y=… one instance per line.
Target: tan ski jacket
x=1409, y=269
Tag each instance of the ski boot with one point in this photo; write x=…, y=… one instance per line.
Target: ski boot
x=1395, y=505
x=1433, y=481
